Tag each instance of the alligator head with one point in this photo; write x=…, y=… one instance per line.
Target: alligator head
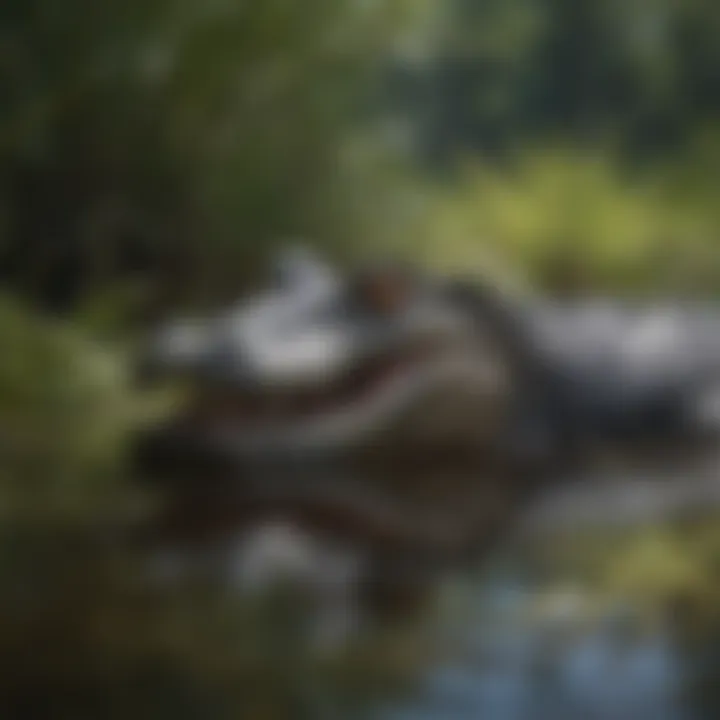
x=322, y=364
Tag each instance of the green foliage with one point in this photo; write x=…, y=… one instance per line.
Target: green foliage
x=178, y=138
x=637, y=72
x=183, y=140
x=63, y=412
x=667, y=569
x=570, y=220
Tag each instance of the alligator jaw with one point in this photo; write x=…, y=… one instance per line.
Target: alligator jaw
x=386, y=421
x=361, y=423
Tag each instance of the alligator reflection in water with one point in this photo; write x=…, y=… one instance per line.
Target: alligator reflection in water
x=508, y=660
x=386, y=537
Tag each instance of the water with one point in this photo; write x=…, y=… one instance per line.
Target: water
x=550, y=669
x=524, y=642
x=579, y=657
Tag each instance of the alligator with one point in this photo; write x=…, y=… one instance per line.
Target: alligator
x=323, y=366
x=323, y=371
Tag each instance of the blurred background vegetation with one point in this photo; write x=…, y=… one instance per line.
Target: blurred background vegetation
x=153, y=154
x=166, y=147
